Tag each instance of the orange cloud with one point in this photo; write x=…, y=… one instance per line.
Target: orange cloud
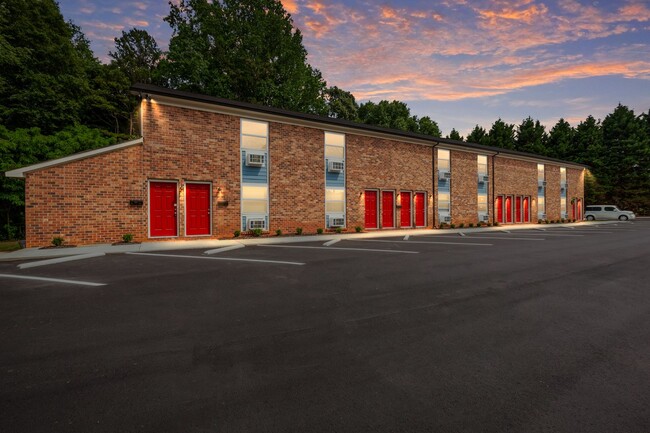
x=291, y=6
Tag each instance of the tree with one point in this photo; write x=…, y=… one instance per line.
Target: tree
x=560, y=141
x=531, y=137
x=455, y=135
x=626, y=159
x=137, y=55
x=246, y=50
x=502, y=135
x=43, y=80
x=427, y=126
x=478, y=135
x=341, y=104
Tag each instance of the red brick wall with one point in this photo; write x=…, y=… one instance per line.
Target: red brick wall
x=553, y=210
x=297, y=178
x=374, y=163
x=87, y=201
x=464, y=187
x=576, y=180
x=515, y=177
x=191, y=145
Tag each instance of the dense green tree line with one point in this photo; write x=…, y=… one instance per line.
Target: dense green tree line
x=57, y=98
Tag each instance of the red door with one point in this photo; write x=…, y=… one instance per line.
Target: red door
x=162, y=209
x=387, y=213
x=419, y=209
x=579, y=207
x=518, y=209
x=509, y=209
x=198, y=209
x=498, y=208
x=405, y=213
x=526, y=207
x=371, y=209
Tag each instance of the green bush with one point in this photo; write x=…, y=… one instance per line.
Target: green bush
x=237, y=233
x=461, y=225
x=489, y=224
x=539, y=221
x=453, y=226
x=339, y=230
x=256, y=232
x=358, y=229
x=57, y=241
x=496, y=223
x=471, y=225
x=298, y=231
x=278, y=232
x=127, y=238
x=319, y=231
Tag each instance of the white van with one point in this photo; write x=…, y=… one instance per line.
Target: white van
x=607, y=212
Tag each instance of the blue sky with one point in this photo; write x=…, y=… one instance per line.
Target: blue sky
x=459, y=62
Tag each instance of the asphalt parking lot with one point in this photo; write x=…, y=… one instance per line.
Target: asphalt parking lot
x=518, y=331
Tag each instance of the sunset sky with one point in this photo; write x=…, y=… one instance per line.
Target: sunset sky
x=460, y=62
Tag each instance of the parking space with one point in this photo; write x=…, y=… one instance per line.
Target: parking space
x=383, y=334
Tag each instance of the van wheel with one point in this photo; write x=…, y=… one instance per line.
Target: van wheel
x=590, y=218
x=623, y=218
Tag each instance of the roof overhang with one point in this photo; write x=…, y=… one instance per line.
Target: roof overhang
x=20, y=172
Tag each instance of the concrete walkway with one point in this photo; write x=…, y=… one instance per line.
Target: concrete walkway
x=36, y=253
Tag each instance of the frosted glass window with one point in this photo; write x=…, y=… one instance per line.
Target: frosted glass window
x=334, y=195
x=254, y=192
x=482, y=164
x=251, y=127
x=253, y=142
x=253, y=206
x=562, y=174
x=540, y=171
x=334, y=139
x=443, y=159
x=540, y=204
x=335, y=207
x=334, y=152
x=443, y=196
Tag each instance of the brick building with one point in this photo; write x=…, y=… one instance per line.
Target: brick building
x=206, y=167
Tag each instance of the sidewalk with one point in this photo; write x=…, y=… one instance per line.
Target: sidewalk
x=37, y=253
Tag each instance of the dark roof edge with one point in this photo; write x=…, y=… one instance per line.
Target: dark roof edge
x=139, y=88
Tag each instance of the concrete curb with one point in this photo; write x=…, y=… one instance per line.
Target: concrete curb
x=36, y=253
x=59, y=260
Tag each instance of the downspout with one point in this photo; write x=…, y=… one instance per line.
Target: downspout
x=493, y=191
x=433, y=189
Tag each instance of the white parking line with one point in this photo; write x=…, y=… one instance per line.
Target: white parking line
x=406, y=238
x=580, y=231
x=52, y=280
x=59, y=260
x=488, y=237
x=346, y=249
x=224, y=249
x=421, y=242
x=332, y=242
x=536, y=234
x=218, y=258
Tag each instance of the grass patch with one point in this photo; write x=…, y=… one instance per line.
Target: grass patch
x=9, y=246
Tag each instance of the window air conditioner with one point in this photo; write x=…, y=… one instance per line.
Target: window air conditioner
x=337, y=222
x=335, y=166
x=254, y=159
x=485, y=217
x=444, y=175
x=256, y=223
